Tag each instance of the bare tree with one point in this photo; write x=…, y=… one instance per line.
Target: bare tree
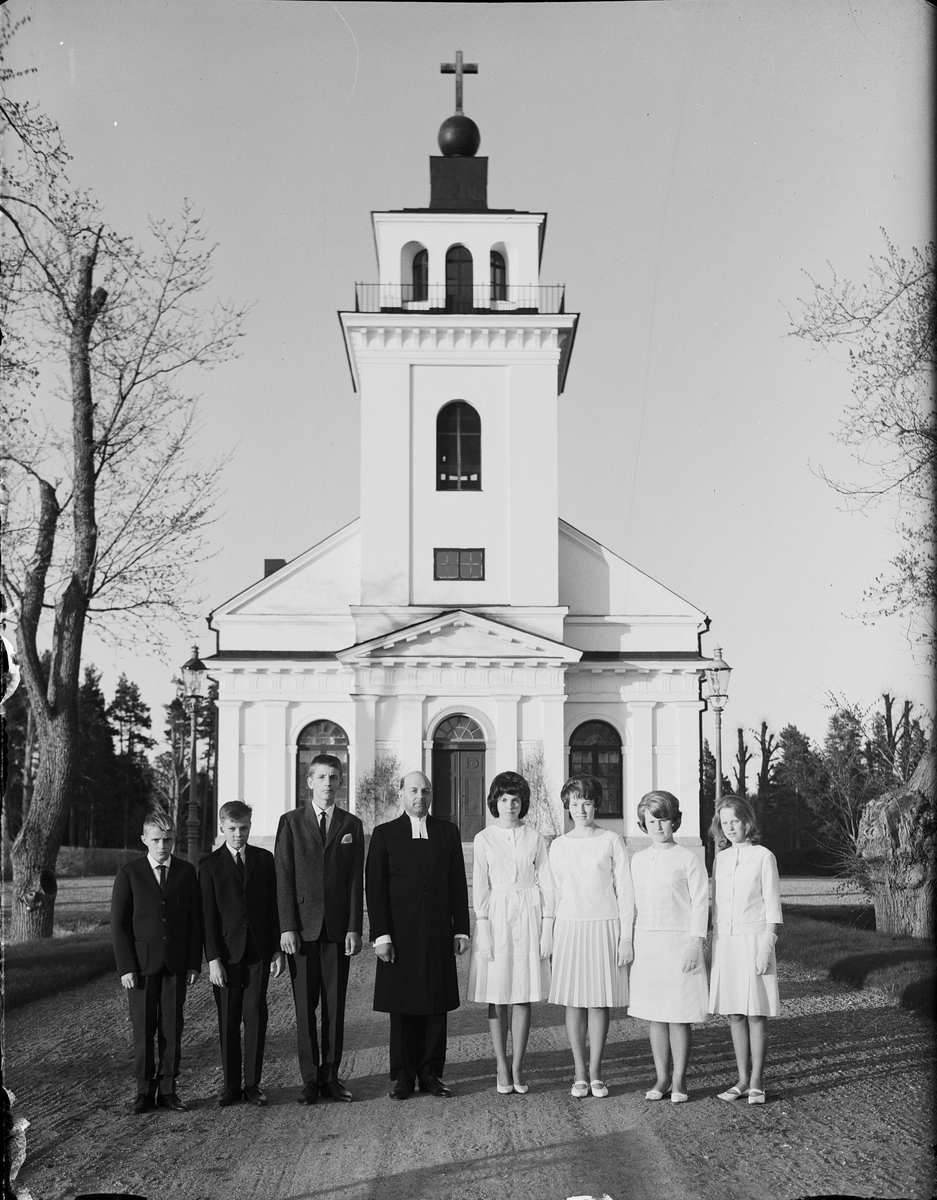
x=106, y=515
x=544, y=814
x=888, y=326
x=743, y=757
x=768, y=747
x=376, y=792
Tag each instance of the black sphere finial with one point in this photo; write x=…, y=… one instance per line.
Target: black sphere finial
x=459, y=137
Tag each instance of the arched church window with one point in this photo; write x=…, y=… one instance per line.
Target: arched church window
x=458, y=729
x=499, y=276
x=458, y=280
x=420, y=275
x=595, y=749
x=458, y=448
x=321, y=737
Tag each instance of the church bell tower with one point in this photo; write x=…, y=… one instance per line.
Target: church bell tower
x=459, y=354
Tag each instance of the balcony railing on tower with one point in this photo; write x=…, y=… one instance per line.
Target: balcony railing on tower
x=479, y=298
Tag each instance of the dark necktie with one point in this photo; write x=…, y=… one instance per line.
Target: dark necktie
x=239, y=863
x=322, y=827
x=162, y=877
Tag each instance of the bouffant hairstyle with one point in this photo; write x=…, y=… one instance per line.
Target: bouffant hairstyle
x=746, y=814
x=586, y=786
x=509, y=783
x=660, y=804
x=235, y=810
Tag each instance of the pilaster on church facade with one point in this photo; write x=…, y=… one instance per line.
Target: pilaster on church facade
x=459, y=625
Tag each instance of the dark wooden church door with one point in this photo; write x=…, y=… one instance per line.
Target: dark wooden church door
x=459, y=289
x=459, y=775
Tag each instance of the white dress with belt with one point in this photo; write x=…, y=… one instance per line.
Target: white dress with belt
x=512, y=888
x=594, y=903
x=671, y=897
x=746, y=898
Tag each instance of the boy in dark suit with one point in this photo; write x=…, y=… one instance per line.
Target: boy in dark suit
x=156, y=924
x=319, y=855
x=242, y=946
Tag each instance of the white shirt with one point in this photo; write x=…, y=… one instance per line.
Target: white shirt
x=326, y=812
x=514, y=858
x=156, y=866
x=234, y=853
x=746, y=889
x=593, y=882
x=671, y=889
x=418, y=827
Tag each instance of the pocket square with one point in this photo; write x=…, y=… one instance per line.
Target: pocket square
x=346, y=838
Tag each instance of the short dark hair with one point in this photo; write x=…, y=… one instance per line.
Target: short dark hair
x=586, y=786
x=746, y=814
x=328, y=760
x=235, y=810
x=660, y=804
x=509, y=783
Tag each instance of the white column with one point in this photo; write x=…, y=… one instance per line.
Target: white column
x=277, y=784
x=230, y=783
x=505, y=756
x=554, y=750
x=689, y=735
x=641, y=760
x=411, y=741
x=365, y=715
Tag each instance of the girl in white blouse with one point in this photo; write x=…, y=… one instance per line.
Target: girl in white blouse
x=668, y=976
x=746, y=915
x=512, y=893
x=592, y=933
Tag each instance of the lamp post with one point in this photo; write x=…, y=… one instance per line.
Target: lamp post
x=193, y=683
x=717, y=679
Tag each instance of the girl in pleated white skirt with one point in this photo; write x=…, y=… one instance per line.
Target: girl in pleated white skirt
x=746, y=916
x=592, y=931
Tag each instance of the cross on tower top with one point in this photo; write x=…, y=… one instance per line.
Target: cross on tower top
x=458, y=69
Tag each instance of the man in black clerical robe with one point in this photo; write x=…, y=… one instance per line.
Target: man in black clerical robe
x=419, y=918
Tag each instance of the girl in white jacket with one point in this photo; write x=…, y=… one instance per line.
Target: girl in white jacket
x=746, y=915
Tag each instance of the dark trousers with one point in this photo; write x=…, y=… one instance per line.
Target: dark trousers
x=244, y=999
x=319, y=974
x=417, y=1045
x=156, y=1015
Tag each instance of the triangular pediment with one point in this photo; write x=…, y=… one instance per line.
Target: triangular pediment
x=460, y=636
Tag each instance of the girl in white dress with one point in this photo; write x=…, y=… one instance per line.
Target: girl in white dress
x=668, y=975
x=746, y=915
x=512, y=893
x=592, y=933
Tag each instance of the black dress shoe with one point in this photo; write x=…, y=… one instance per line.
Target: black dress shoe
x=229, y=1097
x=434, y=1085
x=143, y=1103
x=171, y=1100
x=254, y=1095
x=309, y=1094
x=402, y=1089
x=335, y=1089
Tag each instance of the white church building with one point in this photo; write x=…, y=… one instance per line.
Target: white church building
x=459, y=623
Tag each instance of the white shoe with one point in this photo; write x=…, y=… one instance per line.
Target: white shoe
x=599, y=1090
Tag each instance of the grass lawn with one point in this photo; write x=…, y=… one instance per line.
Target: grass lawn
x=835, y=941
x=48, y=965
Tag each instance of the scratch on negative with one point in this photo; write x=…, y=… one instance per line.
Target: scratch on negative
x=357, y=55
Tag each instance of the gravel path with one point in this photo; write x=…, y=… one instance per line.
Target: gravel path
x=849, y=1112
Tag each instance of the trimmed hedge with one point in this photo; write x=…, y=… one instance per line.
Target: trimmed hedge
x=74, y=862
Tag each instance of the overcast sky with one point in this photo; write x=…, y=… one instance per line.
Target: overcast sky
x=695, y=160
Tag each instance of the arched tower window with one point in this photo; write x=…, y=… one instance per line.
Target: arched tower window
x=321, y=737
x=458, y=448
x=420, y=275
x=499, y=276
x=595, y=749
x=458, y=280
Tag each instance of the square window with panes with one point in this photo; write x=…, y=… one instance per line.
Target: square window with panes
x=457, y=563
